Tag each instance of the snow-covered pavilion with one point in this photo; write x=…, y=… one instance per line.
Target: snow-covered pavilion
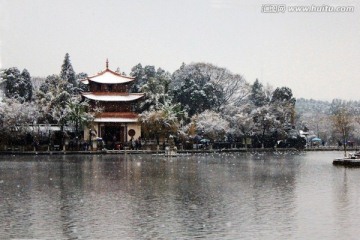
x=118, y=121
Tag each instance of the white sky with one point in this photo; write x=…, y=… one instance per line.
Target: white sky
x=317, y=55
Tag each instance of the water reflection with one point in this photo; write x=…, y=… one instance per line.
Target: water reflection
x=212, y=196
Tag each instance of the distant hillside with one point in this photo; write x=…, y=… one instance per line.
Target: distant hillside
x=323, y=107
x=312, y=106
x=315, y=115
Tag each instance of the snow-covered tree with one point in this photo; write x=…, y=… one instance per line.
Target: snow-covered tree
x=52, y=99
x=240, y=120
x=266, y=125
x=142, y=76
x=78, y=113
x=162, y=122
x=2, y=85
x=82, y=87
x=234, y=88
x=36, y=83
x=314, y=116
x=283, y=104
x=51, y=83
x=12, y=77
x=343, y=121
x=155, y=85
x=26, y=90
x=283, y=95
x=258, y=95
x=155, y=94
x=15, y=119
x=196, y=98
x=18, y=85
x=273, y=113
x=67, y=72
x=156, y=91
x=201, y=86
x=211, y=124
x=138, y=73
x=150, y=71
x=59, y=109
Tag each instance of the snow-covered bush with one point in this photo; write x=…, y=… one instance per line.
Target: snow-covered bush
x=210, y=124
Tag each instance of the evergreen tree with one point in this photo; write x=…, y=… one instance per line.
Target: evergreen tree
x=149, y=71
x=257, y=95
x=18, y=85
x=52, y=98
x=196, y=88
x=51, y=83
x=283, y=103
x=283, y=94
x=164, y=78
x=11, y=77
x=26, y=90
x=138, y=73
x=142, y=76
x=196, y=98
x=83, y=87
x=214, y=87
x=155, y=85
x=67, y=72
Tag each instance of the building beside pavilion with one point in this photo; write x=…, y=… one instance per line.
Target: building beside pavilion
x=117, y=123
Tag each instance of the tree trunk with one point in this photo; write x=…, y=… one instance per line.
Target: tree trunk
x=344, y=138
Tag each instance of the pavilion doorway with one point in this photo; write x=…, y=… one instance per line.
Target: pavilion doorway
x=113, y=136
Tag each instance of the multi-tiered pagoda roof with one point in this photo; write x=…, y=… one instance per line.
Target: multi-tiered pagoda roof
x=110, y=88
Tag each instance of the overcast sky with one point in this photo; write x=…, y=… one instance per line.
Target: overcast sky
x=317, y=55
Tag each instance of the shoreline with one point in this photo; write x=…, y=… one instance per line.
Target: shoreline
x=100, y=152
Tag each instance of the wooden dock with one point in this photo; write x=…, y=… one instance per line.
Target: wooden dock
x=347, y=162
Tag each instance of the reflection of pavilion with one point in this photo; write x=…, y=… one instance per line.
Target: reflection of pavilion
x=117, y=122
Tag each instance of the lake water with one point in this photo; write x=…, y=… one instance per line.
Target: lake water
x=208, y=196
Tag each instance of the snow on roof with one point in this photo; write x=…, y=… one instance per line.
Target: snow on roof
x=117, y=114
x=113, y=97
x=84, y=81
x=124, y=117
x=116, y=117
x=119, y=119
x=108, y=77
